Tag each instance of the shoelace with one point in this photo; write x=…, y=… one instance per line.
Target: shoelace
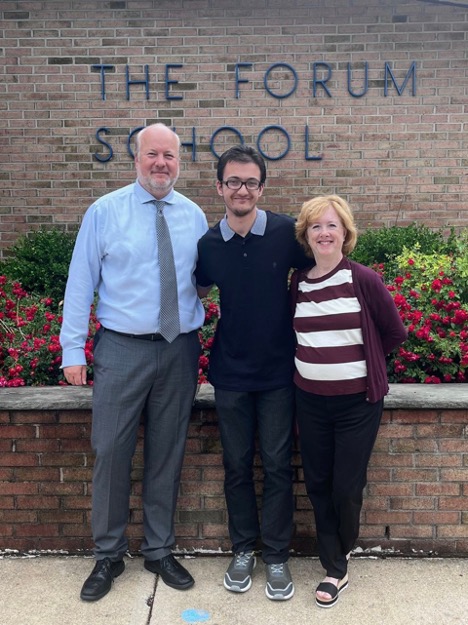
x=243, y=559
x=276, y=569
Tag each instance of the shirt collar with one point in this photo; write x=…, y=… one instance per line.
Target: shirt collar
x=258, y=227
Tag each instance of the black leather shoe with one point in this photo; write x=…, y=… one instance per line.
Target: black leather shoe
x=100, y=581
x=171, y=572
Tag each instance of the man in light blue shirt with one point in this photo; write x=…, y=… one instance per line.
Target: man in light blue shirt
x=139, y=367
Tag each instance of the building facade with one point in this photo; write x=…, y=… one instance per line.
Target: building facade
x=366, y=98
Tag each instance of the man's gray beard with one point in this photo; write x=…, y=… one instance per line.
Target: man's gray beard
x=158, y=187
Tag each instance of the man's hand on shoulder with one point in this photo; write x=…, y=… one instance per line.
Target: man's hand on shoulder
x=75, y=375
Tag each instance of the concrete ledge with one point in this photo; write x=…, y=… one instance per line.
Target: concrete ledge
x=401, y=396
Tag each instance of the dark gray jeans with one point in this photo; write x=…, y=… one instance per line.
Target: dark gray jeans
x=244, y=418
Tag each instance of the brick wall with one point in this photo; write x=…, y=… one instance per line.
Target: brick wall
x=397, y=158
x=416, y=501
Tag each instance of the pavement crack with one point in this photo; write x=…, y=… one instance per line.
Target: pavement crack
x=150, y=600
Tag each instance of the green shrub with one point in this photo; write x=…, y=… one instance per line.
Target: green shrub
x=383, y=245
x=39, y=260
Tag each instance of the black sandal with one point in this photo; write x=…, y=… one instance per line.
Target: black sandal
x=332, y=590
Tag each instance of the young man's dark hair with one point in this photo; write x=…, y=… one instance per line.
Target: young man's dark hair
x=241, y=154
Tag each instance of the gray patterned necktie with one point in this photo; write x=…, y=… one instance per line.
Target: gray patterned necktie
x=169, y=316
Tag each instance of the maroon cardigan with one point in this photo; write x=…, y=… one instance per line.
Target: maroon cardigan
x=382, y=327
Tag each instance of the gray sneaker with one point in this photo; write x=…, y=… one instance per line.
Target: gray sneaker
x=279, y=586
x=238, y=577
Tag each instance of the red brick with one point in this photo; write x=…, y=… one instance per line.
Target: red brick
x=38, y=445
x=412, y=531
x=60, y=431
x=5, y=531
x=75, y=502
x=392, y=460
x=454, y=416
x=36, y=530
x=415, y=416
x=438, y=460
x=7, y=503
x=37, y=474
x=452, y=531
x=413, y=503
x=454, y=475
x=213, y=474
x=387, y=518
x=374, y=531
x=63, y=460
x=376, y=503
x=19, y=488
x=77, y=416
x=14, y=432
x=210, y=530
x=76, y=445
x=454, y=446
x=453, y=503
x=393, y=489
x=19, y=460
x=28, y=502
x=77, y=475
x=191, y=474
x=18, y=516
x=75, y=530
x=415, y=475
x=60, y=516
x=410, y=445
x=62, y=488
x=214, y=503
x=393, y=430
x=33, y=416
x=437, y=489
x=378, y=474
x=436, y=517
x=190, y=503
x=440, y=431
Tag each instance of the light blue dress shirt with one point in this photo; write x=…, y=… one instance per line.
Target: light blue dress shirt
x=116, y=255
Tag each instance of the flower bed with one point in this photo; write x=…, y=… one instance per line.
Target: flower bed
x=430, y=292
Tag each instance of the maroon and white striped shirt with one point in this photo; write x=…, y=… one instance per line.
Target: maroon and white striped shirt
x=329, y=355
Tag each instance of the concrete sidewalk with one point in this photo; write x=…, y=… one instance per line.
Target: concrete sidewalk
x=45, y=590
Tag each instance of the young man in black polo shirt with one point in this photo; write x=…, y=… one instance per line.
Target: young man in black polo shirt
x=248, y=255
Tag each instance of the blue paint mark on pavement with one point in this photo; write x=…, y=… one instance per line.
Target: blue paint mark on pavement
x=195, y=616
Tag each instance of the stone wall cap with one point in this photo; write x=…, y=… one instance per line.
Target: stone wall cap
x=401, y=396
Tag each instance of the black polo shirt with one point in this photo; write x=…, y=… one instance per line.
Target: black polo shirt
x=254, y=344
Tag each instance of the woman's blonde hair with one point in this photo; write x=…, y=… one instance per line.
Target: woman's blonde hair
x=314, y=208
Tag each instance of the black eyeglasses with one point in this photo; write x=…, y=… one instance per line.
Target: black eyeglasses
x=235, y=184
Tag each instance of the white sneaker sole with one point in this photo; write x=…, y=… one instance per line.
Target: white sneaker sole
x=279, y=595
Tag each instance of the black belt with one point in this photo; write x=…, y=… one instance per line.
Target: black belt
x=146, y=337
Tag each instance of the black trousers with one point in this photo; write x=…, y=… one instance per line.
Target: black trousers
x=336, y=437
x=269, y=416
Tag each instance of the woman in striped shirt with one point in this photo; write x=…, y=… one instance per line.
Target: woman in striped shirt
x=346, y=323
